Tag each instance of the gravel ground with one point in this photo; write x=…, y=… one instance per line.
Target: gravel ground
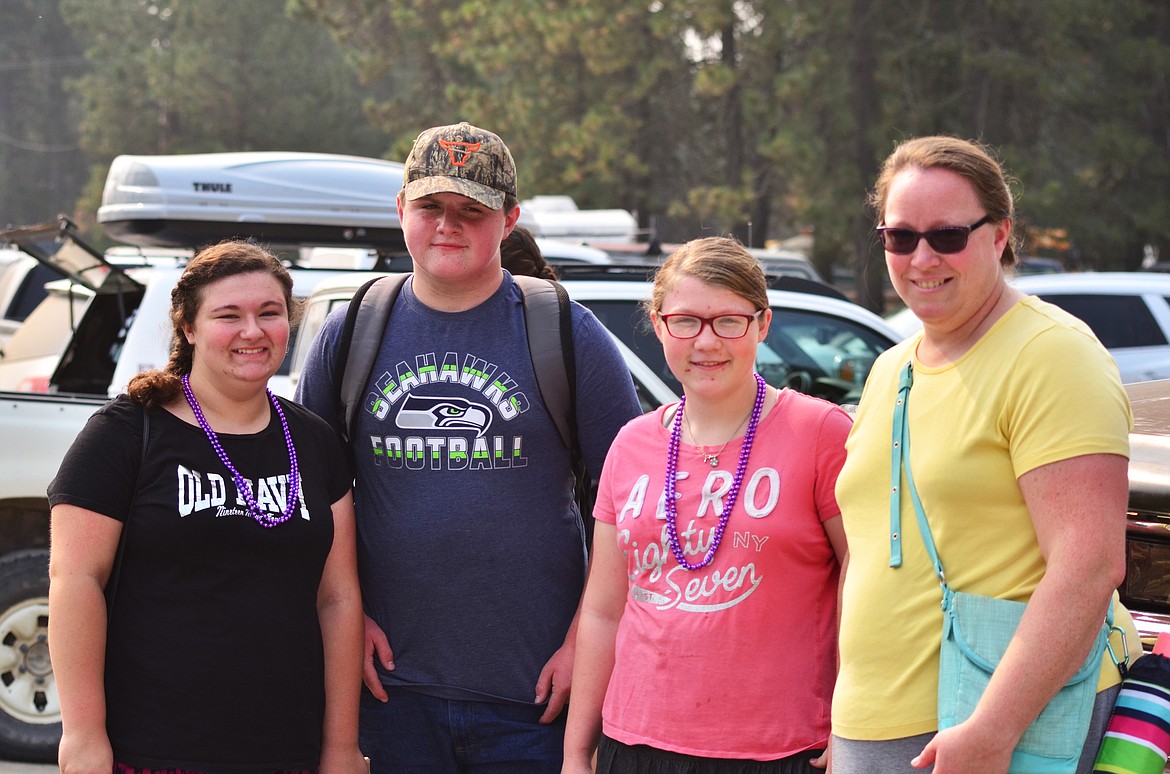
x=7, y=767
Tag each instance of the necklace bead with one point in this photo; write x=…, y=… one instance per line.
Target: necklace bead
x=732, y=495
x=242, y=486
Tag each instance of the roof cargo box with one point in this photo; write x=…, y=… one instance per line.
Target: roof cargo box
x=558, y=217
x=286, y=198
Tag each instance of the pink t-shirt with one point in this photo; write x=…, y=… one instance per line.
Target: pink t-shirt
x=737, y=659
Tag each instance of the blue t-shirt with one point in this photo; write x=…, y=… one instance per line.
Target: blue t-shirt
x=470, y=545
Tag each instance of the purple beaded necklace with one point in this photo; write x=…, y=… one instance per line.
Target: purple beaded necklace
x=732, y=495
x=294, y=479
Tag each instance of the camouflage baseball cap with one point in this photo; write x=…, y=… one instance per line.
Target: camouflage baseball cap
x=461, y=159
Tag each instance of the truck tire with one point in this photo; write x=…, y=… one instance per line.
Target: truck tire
x=30, y=716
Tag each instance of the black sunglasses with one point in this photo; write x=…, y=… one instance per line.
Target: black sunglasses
x=946, y=240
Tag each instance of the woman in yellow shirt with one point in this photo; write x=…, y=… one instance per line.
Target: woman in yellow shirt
x=1020, y=443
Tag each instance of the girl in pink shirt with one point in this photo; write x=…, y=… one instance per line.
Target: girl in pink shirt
x=707, y=635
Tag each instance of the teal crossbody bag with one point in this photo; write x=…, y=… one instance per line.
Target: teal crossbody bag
x=976, y=633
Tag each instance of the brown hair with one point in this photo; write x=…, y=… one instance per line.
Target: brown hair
x=226, y=259
x=520, y=254
x=719, y=261
x=970, y=160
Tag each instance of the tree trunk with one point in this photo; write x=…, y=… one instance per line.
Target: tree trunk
x=864, y=102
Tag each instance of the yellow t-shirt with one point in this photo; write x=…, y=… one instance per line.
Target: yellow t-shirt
x=1036, y=389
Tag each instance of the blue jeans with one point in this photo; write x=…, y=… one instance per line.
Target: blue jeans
x=414, y=732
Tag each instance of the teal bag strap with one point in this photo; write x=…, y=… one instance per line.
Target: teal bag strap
x=900, y=464
x=896, y=472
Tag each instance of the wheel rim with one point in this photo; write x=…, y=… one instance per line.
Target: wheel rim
x=28, y=691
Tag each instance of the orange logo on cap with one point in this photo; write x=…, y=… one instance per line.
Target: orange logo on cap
x=459, y=152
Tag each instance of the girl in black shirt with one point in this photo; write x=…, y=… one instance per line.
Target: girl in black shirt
x=233, y=639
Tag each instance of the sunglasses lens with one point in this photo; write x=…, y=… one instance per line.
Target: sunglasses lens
x=899, y=241
x=947, y=240
x=903, y=241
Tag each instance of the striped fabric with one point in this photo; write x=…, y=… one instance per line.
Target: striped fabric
x=1138, y=737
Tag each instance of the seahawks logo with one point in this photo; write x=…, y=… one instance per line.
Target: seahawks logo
x=422, y=413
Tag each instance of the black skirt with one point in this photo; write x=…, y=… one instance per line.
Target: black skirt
x=614, y=757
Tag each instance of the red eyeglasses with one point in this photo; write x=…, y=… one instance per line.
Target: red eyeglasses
x=725, y=326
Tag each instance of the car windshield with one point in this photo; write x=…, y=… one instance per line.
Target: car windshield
x=810, y=352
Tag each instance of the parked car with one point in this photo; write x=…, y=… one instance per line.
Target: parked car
x=37, y=346
x=107, y=321
x=817, y=344
x=1146, y=588
x=1129, y=312
x=22, y=287
x=558, y=252
x=786, y=262
x=1036, y=265
x=559, y=217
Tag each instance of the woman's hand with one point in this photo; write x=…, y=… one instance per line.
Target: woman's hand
x=342, y=761
x=966, y=749
x=574, y=765
x=85, y=753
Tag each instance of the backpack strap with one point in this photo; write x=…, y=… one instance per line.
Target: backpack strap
x=548, y=318
x=361, y=337
x=119, y=554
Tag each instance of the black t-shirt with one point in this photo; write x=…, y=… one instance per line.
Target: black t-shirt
x=214, y=657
